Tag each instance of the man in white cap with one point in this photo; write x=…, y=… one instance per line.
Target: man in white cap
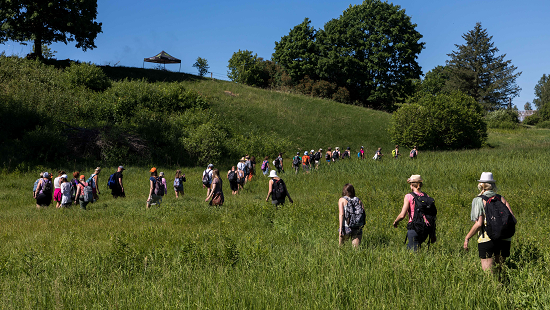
x=277, y=190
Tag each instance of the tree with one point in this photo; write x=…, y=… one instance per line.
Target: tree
x=47, y=21
x=371, y=49
x=542, y=92
x=477, y=70
x=434, y=81
x=298, y=52
x=442, y=121
x=527, y=106
x=202, y=65
x=47, y=52
x=247, y=68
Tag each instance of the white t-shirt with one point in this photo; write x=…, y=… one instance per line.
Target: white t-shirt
x=241, y=166
x=66, y=193
x=56, y=183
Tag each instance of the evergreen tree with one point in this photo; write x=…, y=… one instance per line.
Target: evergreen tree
x=542, y=97
x=477, y=70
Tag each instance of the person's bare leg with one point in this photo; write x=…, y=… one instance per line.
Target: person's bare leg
x=487, y=264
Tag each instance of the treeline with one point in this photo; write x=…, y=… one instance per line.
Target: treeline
x=368, y=56
x=77, y=113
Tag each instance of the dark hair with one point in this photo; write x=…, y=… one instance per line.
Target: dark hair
x=154, y=173
x=266, y=158
x=348, y=191
x=76, y=174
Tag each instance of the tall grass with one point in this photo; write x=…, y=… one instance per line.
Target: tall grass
x=247, y=254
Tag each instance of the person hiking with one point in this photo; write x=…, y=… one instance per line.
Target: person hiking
x=163, y=179
x=240, y=179
x=328, y=155
x=378, y=155
x=253, y=163
x=43, y=192
x=265, y=166
x=277, y=190
x=217, y=191
x=351, y=217
x=118, y=188
x=66, y=199
x=492, y=252
x=278, y=163
x=336, y=154
x=409, y=203
x=317, y=157
x=413, y=153
x=296, y=160
x=306, y=161
x=362, y=153
x=248, y=169
x=207, y=179
x=94, y=178
x=81, y=192
x=395, y=152
x=347, y=153
x=154, y=198
x=179, y=178
x=232, y=178
x=57, y=189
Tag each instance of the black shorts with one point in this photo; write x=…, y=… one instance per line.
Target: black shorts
x=492, y=248
x=234, y=186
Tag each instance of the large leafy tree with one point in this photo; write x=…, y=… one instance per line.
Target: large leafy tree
x=542, y=97
x=372, y=50
x=48, y=21
x=298, y=52
x=247, y=68
x=477, y=70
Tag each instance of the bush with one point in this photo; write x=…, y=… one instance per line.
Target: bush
x=503, y=118
x=87, y=75
x=323, y=89
x=544, y=124
x=443, y=121
x=341, y=95
x=532, y=119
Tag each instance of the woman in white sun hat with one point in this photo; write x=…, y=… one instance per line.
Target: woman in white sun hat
x=491, y=252
x=277, y=190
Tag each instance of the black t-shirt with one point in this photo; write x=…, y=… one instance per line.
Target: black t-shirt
x=117, y=176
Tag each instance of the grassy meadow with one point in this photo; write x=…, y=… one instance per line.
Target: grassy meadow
x=249, y=255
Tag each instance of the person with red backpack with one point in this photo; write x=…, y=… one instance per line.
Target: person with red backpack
x=422, y=215
x=494, y=222
x=351, y=217
x=277, y=190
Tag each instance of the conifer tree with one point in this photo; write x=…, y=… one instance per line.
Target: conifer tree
x=477, y=70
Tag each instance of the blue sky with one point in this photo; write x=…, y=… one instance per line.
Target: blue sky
x=214, y=30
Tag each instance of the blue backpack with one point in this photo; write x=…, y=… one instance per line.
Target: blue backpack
x=111, y=183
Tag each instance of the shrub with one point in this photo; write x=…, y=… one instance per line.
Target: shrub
x=322, y=89
x=503, y=118
x=544, y=124
x=532, y=119
x=87, y=75
x=341, y=95
x=443, y=121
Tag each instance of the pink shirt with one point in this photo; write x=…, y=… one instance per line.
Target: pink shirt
x=410, y=197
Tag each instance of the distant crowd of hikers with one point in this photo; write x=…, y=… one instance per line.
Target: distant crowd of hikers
x=493, y=218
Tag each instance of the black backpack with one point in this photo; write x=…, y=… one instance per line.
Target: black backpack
x=317, y=156
x=277, y=162
x=279, y=189
x=158, y=187
x=500, y=222
x=335, y=155
x=47, y=187
x=205, y=178
x=296, y=161
x=425, y=212
x=232, y=177
x=354, y=213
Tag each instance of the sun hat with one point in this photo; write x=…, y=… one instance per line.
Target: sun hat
x=242, y=159
x=153, y=169
x=305, y=153
x=486, y=177
x=273, y=174
x=415, y=178
x=45, y=175
x=82, y=177
x=210, y=165
x=320, y=149
x=312, y=151
x=161, y=173
x=337, y=148
x=64, y=176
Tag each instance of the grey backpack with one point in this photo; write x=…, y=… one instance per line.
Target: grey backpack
x=354, y=213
